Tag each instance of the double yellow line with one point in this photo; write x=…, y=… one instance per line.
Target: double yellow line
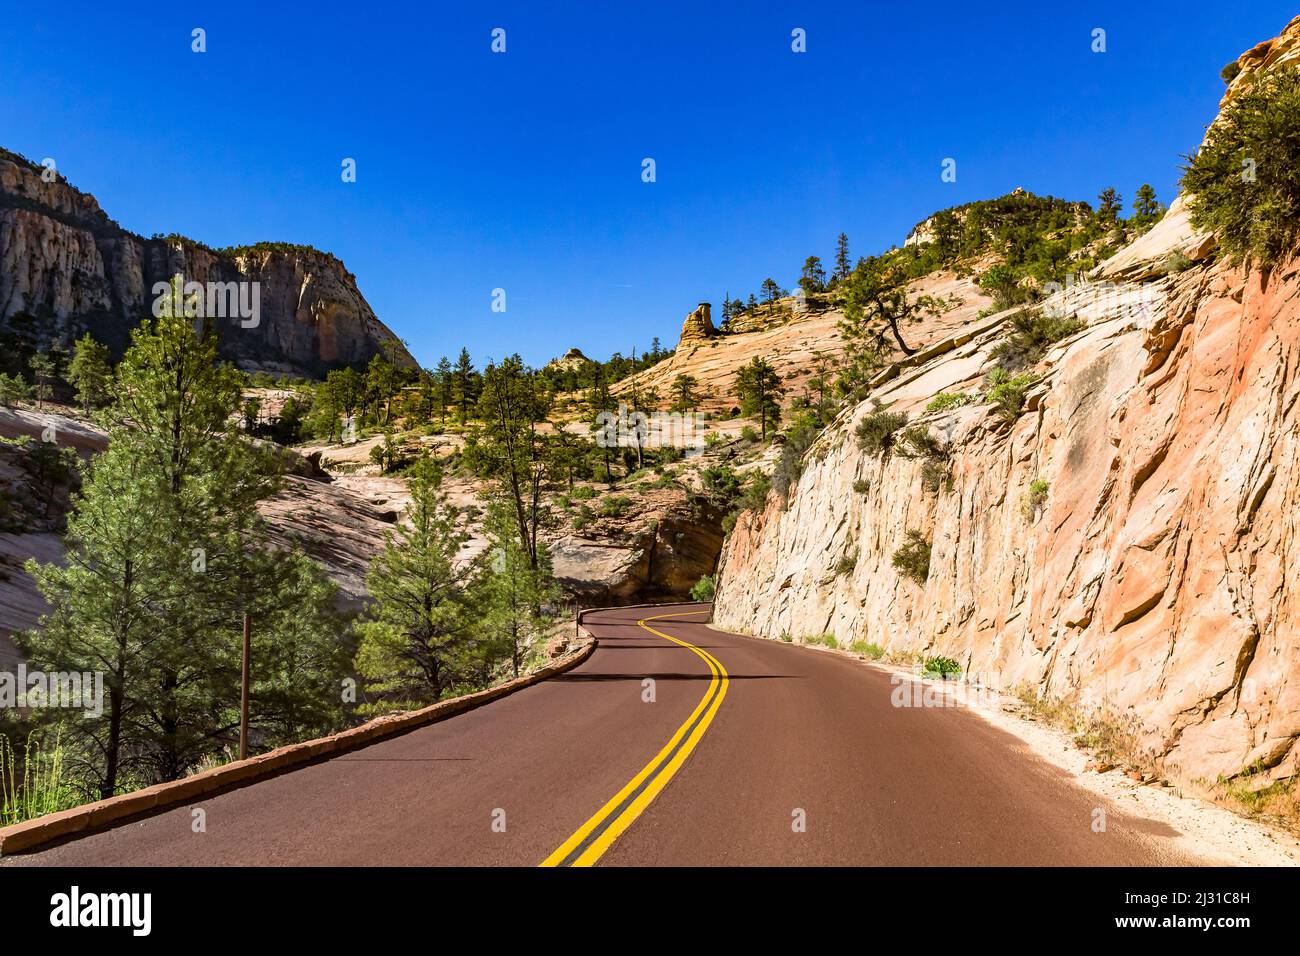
x=598, y=834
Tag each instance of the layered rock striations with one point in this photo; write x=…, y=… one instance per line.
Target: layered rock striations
x=65, y=263
x=1127, y=542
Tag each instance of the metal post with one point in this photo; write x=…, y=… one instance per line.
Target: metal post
x=243, y=694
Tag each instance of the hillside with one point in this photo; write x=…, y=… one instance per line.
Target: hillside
x=67, y=269
x=1103, y=520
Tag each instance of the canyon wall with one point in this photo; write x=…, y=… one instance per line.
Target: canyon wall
x=1151, y=577
x=65, y=263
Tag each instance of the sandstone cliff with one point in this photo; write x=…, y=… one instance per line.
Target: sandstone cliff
x=63, y=261
x=1148, y=577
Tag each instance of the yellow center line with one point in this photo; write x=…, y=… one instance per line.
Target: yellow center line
x=590, y=841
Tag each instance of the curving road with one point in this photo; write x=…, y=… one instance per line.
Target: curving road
x=751, y=752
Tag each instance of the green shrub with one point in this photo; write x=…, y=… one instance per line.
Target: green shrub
x=1032, y=332
x=702, y=590
x=946, y=400
x=828, y=640
x=847, y=563
x=940, y=667
x=912, y=560
x=862, y=486
x=1244, y=183
x=1008, y=394
x=787, y=637
x=876, y=431
x=1036, y=497
x=750, y=434
x=1229, y=72
x=583, y=493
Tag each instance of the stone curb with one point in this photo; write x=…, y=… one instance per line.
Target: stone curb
x=92, y=816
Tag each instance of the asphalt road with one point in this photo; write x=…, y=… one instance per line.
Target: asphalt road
x=751, y=752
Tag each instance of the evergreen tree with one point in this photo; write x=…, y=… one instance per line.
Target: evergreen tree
x=843, y=264
x=759, y=389
x=445, y=392
x=12, y=389
x=90, y=373
x=417, y=639
x=43, y=369
x=1146, y=210
x=772, y=291
x=813, y=278
x=513, y=592
x=463, y=378
x=684, y=393
x=1109, y=206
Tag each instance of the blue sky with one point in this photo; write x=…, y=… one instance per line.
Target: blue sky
x=522, y=170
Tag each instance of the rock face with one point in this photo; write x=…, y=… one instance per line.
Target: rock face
x=698, y=325
x=63, y=261
x=1149, y=581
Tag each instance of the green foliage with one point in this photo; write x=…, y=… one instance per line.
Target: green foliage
x=90, y=373
x=1032, y=333
x=862, y=486
x=759, y=389
x=1230, y=71
x=1036, y=497
x=703, y=589
x=1244, y=183
x=947, y=400
x=873, y=651
x=34, y=782
x=166, y=551
x=512, y=593
x=415, y=639
x=938, y=666
x=847, y=563
x=1006, y=393
x=12, y=390
x=912, y=559
x=750, y=434
x=876, y=431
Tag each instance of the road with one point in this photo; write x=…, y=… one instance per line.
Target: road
x=751, y=752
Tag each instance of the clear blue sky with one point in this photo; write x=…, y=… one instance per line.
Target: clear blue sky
x=523, y=170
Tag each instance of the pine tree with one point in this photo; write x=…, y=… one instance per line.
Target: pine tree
x=464, y=384
x=43, y=371
x=813, y=278
x=843, y=264
x=684, y=393
x=445, y=392
x=90, y=373
x=417, y=639
x=1145, y=208
x=1109, y=205
x=513, y=593
x=759, y=389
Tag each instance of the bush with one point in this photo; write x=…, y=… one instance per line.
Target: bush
x=1036, y=498
x=940, y=667
x=1244, y=183
x=912, y=560
x=614, y=506
x=583, y=493
x=703, y=589
x=1008, y=394
x=786, y=637
x=874, y=651
x=750, y=434
x=1031, y=334
x=946, y=400
x=876, y=431
x=862, y=486
x=847, y=563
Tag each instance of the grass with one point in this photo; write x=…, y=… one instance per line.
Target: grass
x=874, y=651
x=34, y=784
x=822, y=640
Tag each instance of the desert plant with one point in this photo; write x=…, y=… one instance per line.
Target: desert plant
x=1032, y=332
x=940, y=667
x=912, y=559
x=1035, y=498
x=947, y=400
x=871, y=650
x=1007, y=394
x=703, y=589
x=1244, y=182
x=847, y=563
x=876, y=431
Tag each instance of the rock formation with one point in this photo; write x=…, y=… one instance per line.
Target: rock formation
x=1147, y=577
x=64, y=262
x=698, y=326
